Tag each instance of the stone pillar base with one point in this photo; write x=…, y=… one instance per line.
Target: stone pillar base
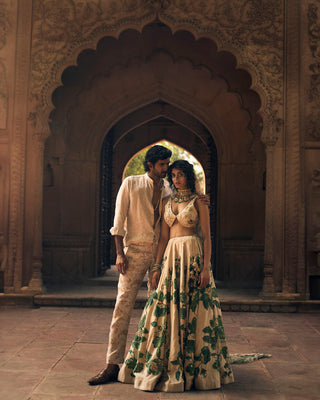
x=35, y=287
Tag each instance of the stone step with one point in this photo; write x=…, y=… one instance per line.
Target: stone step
x=105, y=296
x=110, y=278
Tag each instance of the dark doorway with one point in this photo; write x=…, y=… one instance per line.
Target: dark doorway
x=119, y=148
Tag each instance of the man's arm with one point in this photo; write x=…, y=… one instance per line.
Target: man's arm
x=121, y=211
x=118, y=230
x=121, y=261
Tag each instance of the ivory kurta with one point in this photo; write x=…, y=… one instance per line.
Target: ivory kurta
x=134, y=213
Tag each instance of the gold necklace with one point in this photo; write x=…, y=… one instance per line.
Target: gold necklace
x=183, y=196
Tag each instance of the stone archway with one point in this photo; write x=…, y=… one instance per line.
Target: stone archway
x=206, y=26
x=170, y=76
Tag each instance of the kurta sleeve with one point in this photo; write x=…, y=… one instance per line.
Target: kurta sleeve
x=121, y=211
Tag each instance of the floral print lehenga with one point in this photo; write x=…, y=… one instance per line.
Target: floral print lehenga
x=180, y=343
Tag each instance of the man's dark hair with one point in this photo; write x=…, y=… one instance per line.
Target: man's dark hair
x=187, y=169
x=154, y=154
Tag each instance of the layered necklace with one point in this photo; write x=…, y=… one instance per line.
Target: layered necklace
x=183, y=196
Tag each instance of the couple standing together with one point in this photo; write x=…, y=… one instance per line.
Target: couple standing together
x=180, y=342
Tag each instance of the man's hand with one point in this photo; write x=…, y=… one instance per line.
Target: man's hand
x=204, y=278
x=122, y=264
x=155, y=279
x=205, y=199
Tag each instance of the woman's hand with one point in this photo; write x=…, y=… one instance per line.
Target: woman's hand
x=204, y=277
x=155, y=279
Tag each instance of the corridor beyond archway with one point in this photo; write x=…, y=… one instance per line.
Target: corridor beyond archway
x=135, y=164
x=182, y=141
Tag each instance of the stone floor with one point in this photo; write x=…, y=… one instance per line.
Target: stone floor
x=49, y=353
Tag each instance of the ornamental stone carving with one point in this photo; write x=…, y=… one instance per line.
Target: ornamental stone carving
x=4, y=24
x=3, y=97
x=157, y=5
x=250, y=29
x=313, y=117
x=38, y=121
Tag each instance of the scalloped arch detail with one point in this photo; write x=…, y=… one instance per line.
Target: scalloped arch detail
x=71, y=60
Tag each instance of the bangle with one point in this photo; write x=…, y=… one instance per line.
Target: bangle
x=156, y=267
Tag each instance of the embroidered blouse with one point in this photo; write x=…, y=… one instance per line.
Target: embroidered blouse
x=188, y=217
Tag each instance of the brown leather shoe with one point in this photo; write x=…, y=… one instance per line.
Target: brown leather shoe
x=108, y=374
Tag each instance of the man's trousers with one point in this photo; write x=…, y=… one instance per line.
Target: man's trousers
x=140, y=259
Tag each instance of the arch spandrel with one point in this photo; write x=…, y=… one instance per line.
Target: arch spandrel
x=254, y=34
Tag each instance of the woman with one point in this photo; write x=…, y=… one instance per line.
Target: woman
x=180, y=342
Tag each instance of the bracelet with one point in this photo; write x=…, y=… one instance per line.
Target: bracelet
x=156, y=267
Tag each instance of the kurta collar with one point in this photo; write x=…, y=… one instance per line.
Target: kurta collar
x=152, y=181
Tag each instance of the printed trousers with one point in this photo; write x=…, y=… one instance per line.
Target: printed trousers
x=140, y=259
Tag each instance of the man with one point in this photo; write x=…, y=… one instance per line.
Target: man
x=136, y=230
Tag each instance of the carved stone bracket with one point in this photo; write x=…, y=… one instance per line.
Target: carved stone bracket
x=272, y=129
x=39, y=123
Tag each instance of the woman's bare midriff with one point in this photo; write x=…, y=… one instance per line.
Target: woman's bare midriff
x=178, y=230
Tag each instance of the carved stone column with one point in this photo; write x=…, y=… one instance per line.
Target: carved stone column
x=36, y=283
x=293, y=241
x=39, y=132
x=13, y=276
x=268, y=282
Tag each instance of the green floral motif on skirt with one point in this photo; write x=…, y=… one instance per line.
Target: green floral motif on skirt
x=180, y=342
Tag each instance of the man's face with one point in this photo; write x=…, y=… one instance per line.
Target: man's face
x=160, y=168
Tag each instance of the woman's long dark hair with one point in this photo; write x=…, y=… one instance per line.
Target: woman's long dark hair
x=187, y=169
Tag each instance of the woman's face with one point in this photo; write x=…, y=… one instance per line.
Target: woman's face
x=179, y=179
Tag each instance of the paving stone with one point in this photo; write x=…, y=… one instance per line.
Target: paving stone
x=254, y=396
x=42, y=397
x=299, y=386
x=50, y=353
x=65, y=383
x=15, y=386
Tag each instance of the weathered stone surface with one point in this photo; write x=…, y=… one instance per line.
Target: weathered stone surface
x=50, y=353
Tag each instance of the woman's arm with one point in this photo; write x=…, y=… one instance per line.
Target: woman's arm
x=205, y=228
x=163, y=240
